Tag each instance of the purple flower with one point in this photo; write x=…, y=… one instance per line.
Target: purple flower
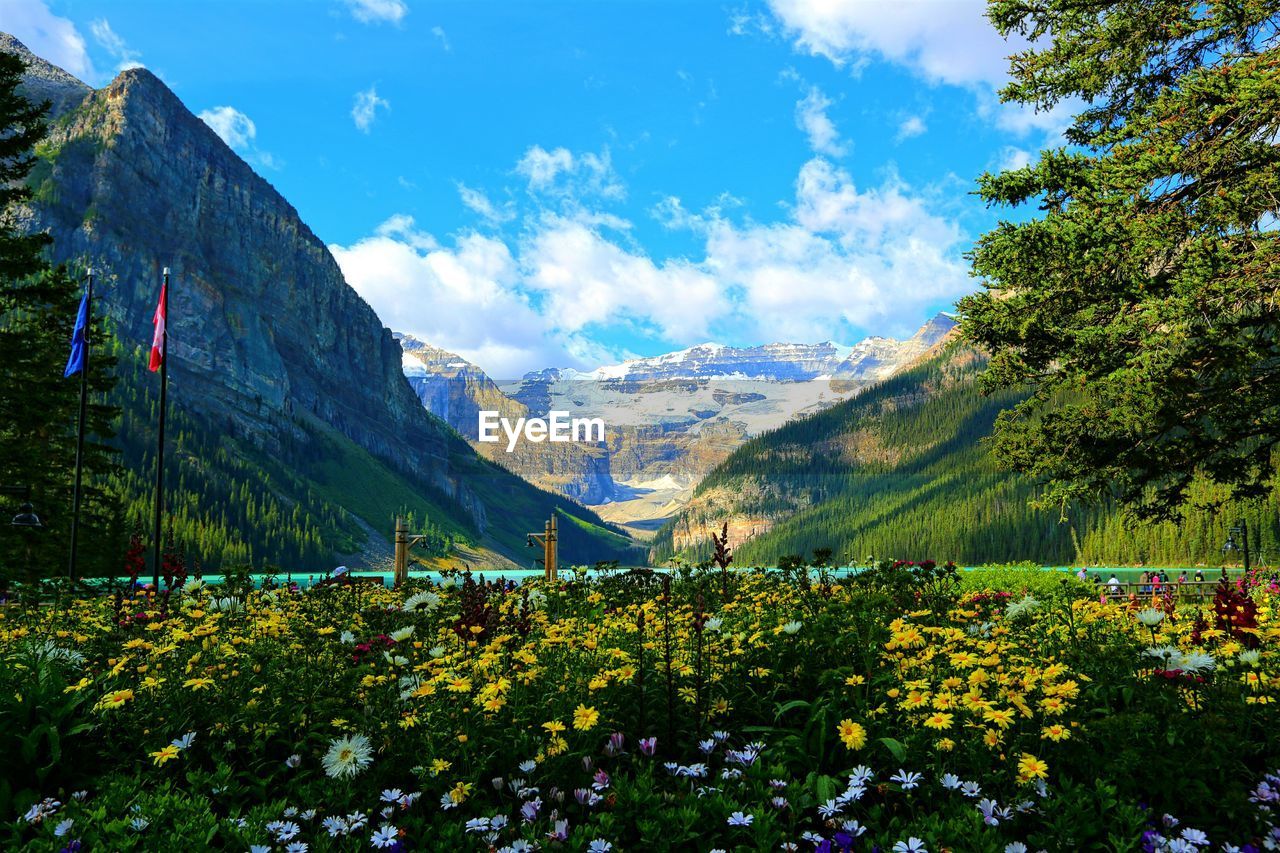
x=648, y=745
x=601, y=780
x=560, y=831
x=529, y=811
x=614, y=746
x=991, y=811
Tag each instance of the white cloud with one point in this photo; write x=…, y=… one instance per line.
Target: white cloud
x=47, y=36
x=511, y=311
x=401, y=227
x=587, y=280
x=541, y=166
x=240, y=133
x=1022, y=120
x=366, y=108
x=480, y=203
x=113, y=44
x=841, y=263
x=439, y=33
x=560, y=172
x=463, y=298
x=744, y=22
x=941, y=41
x=911, y=126
x=948, y=41
x=234, y=127
x=378, y=11
x=812, y=118
x=847, y=259
x=1013, y=158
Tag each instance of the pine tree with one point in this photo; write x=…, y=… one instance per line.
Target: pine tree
x=1140, y=306
x=38, y=406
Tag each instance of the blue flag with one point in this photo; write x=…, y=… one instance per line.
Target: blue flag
x=79, y=343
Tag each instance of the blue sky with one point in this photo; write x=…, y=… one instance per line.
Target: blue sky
x=535, y=183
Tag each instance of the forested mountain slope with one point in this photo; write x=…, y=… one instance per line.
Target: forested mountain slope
x=903, y=470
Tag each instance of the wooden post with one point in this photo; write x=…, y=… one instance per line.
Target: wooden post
x=402, y=551
x=547, y=539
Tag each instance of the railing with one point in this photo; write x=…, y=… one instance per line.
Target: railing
x=1186, y=591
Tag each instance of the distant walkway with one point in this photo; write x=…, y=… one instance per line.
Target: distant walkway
x=1185, y=591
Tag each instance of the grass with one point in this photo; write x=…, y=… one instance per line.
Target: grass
x=348, y=475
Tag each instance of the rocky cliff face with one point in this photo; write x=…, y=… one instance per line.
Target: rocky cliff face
x=44, y=81
x=452, y=388
x=880, y=358
x=263, y=329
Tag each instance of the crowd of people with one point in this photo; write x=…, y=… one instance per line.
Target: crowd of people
x=1155, y=582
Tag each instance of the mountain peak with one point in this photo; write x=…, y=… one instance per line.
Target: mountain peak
x=936, y=329
x=44, y=81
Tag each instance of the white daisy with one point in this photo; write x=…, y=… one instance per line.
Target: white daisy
x=347, y=756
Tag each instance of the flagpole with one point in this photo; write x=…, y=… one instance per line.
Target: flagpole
x=84, y=397
x=164, y=387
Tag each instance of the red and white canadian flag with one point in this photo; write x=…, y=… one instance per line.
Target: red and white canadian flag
x=157, y=341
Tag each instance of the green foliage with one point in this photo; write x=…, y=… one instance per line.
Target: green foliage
x=247, y=701
x=39, y=411
x=42, y=725
x=1140, y=305
x=299, y=506
x=1024, y=578
x=904, y=470
x=897, y=471
x=24, y=125
x=39, y=408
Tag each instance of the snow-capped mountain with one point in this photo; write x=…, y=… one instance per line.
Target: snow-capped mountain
x=778, y=362
x=669, y=418
x=452, y=388
x=872, y=358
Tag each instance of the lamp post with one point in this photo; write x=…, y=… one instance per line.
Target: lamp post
x=403, y=542
x=1241, y=528
x=26, y=521
x=547, y=539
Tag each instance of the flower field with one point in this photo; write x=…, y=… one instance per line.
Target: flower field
x=906, y=709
